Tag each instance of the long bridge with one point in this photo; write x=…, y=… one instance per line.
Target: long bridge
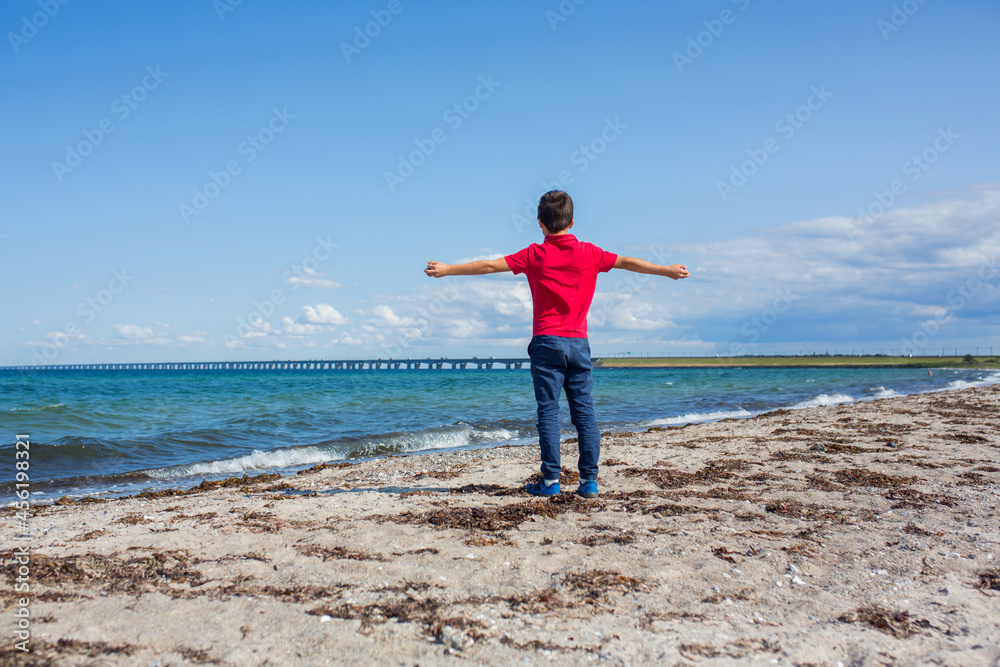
x=302, y=365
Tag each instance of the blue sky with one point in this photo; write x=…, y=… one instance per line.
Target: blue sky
x=207, y=180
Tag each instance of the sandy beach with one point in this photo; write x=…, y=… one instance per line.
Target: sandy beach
x=863, y=534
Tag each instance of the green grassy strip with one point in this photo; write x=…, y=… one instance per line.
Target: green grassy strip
x=798, y=361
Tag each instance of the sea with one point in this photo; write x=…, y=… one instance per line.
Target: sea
x=109, y=434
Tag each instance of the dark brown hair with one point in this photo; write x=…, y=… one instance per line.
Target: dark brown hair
x=555, y=211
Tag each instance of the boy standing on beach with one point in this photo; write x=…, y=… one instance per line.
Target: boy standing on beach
x=562, y=274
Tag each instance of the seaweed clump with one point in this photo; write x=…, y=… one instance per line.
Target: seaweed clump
x=894, y=623
x=861, y=477
x=989, y=579
x=491, y=519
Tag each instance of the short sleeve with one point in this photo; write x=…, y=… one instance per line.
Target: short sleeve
x=519, y=261
x=605, y=261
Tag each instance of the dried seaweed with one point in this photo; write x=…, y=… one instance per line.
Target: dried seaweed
x=325, y=466
x=861, y=477
x=243, y=482
x=132, y=575
x=894, y=623
x=596, y=584
x=86, y=500
x=989, y=580
x=794, y=509
x=337, y=553
x=913, y=529
x=671, y=478
x=47, y=654
x=89, y=535
x=486, y=489
x=674, y=509
x=490, y=519
x=965, y=438
x=266, y=522
x=911, y=498
x=973, y=479
x=625, y=537
x=576, y=590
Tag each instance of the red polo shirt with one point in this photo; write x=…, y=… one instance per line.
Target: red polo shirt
x=562, y=273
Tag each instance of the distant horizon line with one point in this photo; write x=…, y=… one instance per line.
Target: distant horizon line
x=620, y=356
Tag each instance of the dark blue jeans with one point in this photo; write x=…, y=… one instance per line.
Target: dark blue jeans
x=559, y=363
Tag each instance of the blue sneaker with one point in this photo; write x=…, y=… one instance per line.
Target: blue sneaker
x=588, y=488
x=542, y=489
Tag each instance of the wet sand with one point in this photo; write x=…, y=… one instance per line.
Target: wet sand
x=864, y=534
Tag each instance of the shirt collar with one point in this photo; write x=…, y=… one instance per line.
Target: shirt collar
x=560, y=238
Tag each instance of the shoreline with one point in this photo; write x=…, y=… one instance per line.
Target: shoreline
x=862, y=533
x=193, y=480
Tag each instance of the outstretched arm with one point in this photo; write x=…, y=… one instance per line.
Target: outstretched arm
x=675, y=271
x=483, y=266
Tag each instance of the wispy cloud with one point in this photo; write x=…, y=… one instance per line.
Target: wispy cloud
x=311, y=279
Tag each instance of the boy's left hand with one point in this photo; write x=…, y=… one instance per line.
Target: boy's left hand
x=437, y=269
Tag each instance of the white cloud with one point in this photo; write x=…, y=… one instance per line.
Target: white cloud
x=832, y=279
x=290, y=326
x=133, y=331
x=311, y=279
x=323, y=313
x=496, y=255
x=384, y=317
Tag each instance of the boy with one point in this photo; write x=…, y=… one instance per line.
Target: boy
x=562, y=274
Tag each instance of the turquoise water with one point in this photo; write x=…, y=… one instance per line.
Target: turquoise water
x=99, y=432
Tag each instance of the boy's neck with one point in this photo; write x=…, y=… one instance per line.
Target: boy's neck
x=546, y=232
